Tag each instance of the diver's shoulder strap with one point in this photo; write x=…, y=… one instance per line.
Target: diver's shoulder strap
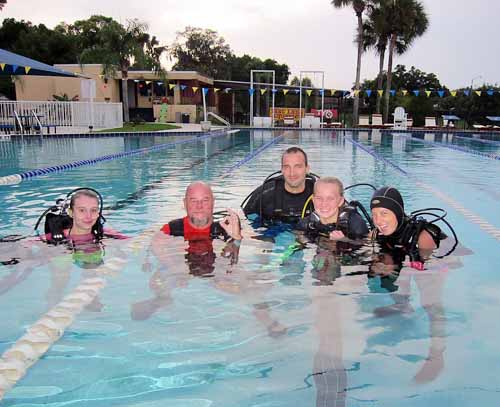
x=176, y=227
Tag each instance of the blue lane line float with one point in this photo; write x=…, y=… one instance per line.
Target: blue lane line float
x=17, y=178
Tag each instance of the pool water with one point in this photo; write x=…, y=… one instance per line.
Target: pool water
x=278, y=328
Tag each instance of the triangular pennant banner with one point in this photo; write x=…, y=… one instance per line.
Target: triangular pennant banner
x=404, y=92
x=148, y=82
x=14, y=68
x=27, y=69
x=297, y=91
x=205, y=90
x=251, y=91
x=227, y=90
x=321, y=92
x=416, y=92
x=262, y=91
x=309, y=91
x=183, y=87
x=274, y=90
x=478, y=92
x=453, y=93
x=216, y=90
x=467, y=92
x=332, y=92
x=2, y=65
x=356, y=92
x=285, y=91
x=346, y=92
x=428, y=92
x=195, y=88
x=368, y=92
x=490, y=92
x=393, y=92
x=441, y=93
x=380, y=92
x=171, y=86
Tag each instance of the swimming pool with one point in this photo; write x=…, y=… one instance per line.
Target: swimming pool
x=263, y=332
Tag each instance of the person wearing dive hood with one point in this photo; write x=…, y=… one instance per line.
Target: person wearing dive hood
x=333, y=217
x=395, y=230
x=283, y=197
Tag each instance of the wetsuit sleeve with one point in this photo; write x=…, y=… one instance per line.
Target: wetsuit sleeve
x=357, y=226
x=165, y=229
x=253, y=203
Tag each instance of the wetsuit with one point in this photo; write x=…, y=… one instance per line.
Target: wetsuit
x=182, y=227
x=274, y=202
x=349, y=221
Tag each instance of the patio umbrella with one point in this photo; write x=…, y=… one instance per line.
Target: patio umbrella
x=14, y=64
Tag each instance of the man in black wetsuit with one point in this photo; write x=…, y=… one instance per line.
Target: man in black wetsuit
x=283, y=197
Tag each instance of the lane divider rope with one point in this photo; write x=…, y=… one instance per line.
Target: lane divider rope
x=18, y=178
x=469, y=215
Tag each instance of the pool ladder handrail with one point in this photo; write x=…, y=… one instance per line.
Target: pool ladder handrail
x=38, y=121
x=222, y=120
x=19, y=123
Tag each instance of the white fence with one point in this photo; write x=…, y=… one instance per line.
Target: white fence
x=74, y=114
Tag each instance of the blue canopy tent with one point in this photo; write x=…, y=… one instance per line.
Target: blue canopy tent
x=14, y=64
x=449, y=120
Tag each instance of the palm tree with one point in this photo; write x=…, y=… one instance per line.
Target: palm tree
x=376, y=34
x=407, y=20
x=359, y=7
x=121, y=47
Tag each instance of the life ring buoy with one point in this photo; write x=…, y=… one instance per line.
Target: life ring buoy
x=328, y=114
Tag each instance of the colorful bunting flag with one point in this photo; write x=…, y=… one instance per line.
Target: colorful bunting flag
x=380, y=92
x=332, y=92
x=148, y=82
x=308, y=91
x=27, y=69
x=216, y=90
x=227, y=90
x=416, y=92
x=441, y=93
x=262, y=91
x=490, y=92
x=392, y=92
x=346, y=92
x=14, y=68
x=404, y=92
x=171, y=86
x=478, y=92
x=368, y=92
x=195, y=88
x=2, y=65
x=297, y=91
x=204, y=90
x=428, y=92
x=467, y=92
x=321, y=92
x=274, y=91
x=160, y=83
x=251, y=91
x=453, y=93
x=356, y=92
x=183, y=87
x=285, y=91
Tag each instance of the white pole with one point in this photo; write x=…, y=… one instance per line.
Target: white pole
x=251, y=98
x=300, y=99
x=274, y=93
x=204, y=105
x=322, y=101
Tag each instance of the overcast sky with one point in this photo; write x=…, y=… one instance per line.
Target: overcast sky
x=460, y=44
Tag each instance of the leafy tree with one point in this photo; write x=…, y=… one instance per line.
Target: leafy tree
x=359, y=7
x=407, y=20
x=201, y=50
x=118, y=48
x=410, y=80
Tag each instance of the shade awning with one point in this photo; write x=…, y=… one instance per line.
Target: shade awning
x=15, y=64
x=493, y=118
x=450, y=117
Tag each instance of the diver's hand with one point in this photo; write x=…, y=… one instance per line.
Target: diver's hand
x=231, y=251
x=336, y=235
x=231, y=224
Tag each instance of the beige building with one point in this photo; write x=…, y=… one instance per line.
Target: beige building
x=146, y=90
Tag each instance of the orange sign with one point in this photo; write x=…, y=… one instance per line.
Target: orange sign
x=281, y=112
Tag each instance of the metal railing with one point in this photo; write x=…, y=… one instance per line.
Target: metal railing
x=223, y=121
x=60, y=114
